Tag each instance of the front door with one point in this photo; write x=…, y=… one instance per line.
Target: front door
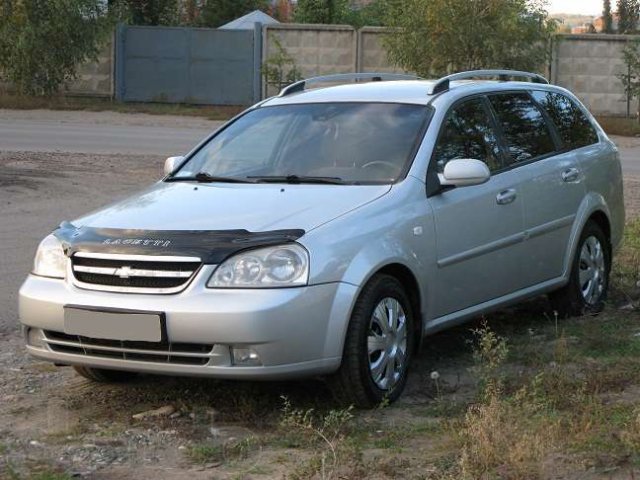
x=479, y=229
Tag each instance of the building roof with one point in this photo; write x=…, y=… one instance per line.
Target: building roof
x=248, y=21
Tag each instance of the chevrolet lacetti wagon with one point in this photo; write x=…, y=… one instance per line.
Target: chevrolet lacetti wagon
x=326, y=231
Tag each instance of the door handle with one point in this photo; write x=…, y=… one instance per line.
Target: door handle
x=570, y=175
x=506, y=197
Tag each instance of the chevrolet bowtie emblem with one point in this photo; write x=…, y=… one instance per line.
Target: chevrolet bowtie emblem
x=124, y=272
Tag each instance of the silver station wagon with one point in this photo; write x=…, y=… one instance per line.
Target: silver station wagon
x=326, y=231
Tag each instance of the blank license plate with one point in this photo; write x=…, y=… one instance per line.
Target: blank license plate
x=144, y=327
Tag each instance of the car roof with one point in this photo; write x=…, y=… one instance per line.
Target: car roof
x=415, y=92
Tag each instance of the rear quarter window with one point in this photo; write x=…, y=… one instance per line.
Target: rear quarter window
x=572, y=124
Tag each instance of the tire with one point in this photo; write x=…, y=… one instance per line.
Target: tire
x=588, y=284
x=375, y=361
x=102, y=375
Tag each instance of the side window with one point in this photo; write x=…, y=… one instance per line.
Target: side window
x=525, y=130
x=467, y=132
x=574, y=127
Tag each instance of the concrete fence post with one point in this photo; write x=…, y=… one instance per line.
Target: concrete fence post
x=119, y=61
x=257, y=62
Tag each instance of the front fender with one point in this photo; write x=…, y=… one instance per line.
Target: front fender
x=396, y=229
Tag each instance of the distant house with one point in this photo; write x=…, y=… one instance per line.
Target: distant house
x=598, y=23
x=584, y=28
x=248, y=21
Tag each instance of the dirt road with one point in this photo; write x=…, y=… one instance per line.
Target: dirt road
x=100, y=132
x=50, y=419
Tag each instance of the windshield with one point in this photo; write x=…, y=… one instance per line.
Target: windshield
x=339, y=142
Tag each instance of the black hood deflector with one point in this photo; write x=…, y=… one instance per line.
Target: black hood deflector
x=212, y=246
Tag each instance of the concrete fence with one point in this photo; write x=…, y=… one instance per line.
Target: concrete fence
x=586, y=64
x=326, y=49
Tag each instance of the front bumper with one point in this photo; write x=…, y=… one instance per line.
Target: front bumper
x=295, y=331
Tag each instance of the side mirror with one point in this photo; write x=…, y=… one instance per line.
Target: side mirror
x=171, y=163
x=464, y=173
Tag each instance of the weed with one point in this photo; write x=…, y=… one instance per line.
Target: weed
x=327, y=434
x=222, y=452
x=489, y=354
x=205, y=453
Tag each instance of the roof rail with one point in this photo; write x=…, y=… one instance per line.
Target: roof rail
x=344, y=77
x=442, y=85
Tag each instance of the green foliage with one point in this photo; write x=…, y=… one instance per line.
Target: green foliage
x=607, y=17
x=43, y=42
x=321, y=11
x=370, y=15
x=631, y=78
x=434, y=37
x=280, y=69
x=214, y=13
x=340, y=12
x=628, y=12
x=151, y=12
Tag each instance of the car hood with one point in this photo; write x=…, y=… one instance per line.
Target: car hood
x=252, y=207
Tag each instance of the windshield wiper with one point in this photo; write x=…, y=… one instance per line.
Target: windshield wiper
x=295, y=179
x=204, y=177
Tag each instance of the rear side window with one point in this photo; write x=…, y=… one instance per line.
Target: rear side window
x=524, y=128
x=574, y=127
x=468, y=132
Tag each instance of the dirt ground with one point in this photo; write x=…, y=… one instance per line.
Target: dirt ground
x=52, y=420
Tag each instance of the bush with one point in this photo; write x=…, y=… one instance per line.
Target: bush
x=43, y=42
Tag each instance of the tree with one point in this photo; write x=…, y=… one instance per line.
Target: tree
x=631, y=78
x=607, y=18
x=282, y=10
x=214, y=13
x=280, y=69
x=628, y=13
x=152, y=12
x=320, y=11
x=372, y=14
x=434, y=37
x=43, y=42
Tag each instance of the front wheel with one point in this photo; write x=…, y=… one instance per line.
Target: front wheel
x=378, y=346
x=587, y=289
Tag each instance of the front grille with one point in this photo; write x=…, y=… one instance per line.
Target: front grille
x=174, y=353
x=133, y=273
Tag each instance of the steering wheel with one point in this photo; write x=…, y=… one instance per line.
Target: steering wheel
x=381, y=163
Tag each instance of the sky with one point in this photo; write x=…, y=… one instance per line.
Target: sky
x=586, y=7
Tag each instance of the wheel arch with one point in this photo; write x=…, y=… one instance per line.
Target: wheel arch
x=593, y=208
x=410, y=283
x=602, y=220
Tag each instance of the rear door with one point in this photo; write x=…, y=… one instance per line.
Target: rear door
x=554, y=187
x=479, y=229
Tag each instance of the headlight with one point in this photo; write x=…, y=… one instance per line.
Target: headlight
x=281, y=266
x=50, y=259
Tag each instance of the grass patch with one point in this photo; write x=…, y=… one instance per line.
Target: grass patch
x=626, y=266
x=37, y=473
x=626, y=127
x=96, y=104
x=235, y=450
x=205, y=453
